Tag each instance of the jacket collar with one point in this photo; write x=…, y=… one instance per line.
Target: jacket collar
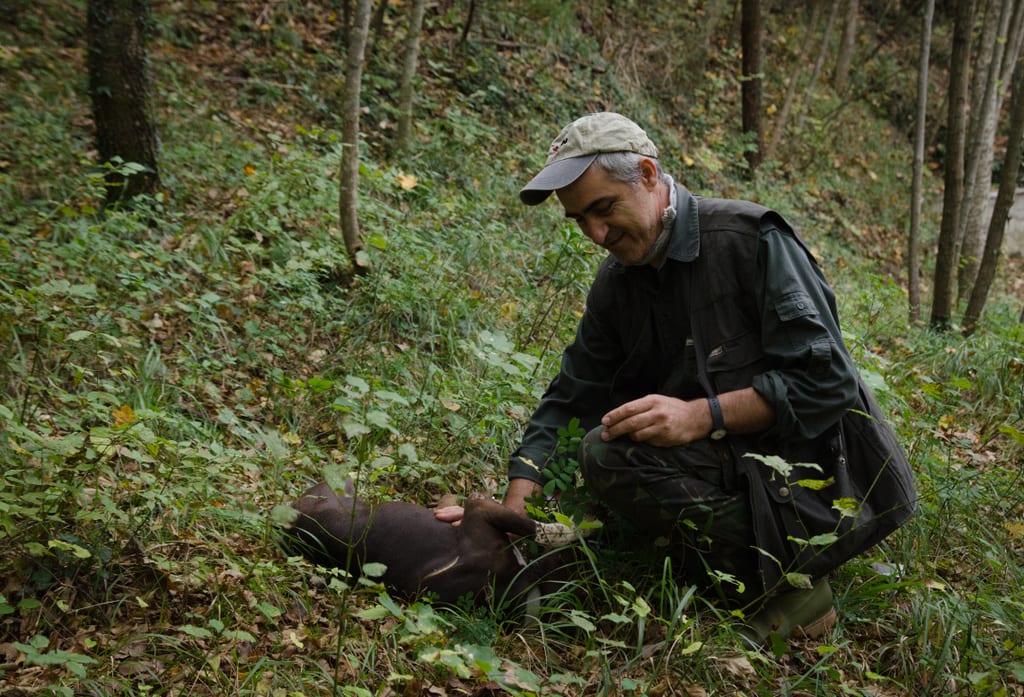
x=685, y=242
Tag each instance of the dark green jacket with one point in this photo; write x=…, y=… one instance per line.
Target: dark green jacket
x=739, y=302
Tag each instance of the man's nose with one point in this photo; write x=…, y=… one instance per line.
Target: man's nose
x=596, y=230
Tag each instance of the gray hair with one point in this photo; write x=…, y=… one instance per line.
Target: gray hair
x=625, y=166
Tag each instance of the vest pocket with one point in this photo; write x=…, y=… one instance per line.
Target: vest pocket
x=732, y=364
x=793, y=305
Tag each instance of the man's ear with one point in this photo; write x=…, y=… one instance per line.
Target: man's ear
x=648, y=173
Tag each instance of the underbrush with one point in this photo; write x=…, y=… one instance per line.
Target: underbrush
x=173, y=371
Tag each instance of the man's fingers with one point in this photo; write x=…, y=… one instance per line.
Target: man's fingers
x=653, y=419
x=626, y=411
x=449, y=514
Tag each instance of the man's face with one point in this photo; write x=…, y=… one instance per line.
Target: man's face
x=623, y=218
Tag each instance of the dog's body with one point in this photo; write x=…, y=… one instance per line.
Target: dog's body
x=422, y=555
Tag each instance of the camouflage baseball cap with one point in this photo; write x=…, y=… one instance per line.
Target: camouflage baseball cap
x=576, y=147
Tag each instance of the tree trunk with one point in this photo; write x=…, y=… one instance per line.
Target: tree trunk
x=1001, y=210
x=119, y=90
x=1002, y=37
x=819, y=63
x=751, y=31
x=846, y=46
x=348, y=189
x=913, y=245
x=407, y=90
x=782, y=121
x=377, y=25
x=470, y=16
x=956, y=124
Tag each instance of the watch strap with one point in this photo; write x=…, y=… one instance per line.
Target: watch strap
x=717, y=421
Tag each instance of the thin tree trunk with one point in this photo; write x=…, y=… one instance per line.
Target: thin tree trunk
x=782, y=121
x=751, y=32
x=956, y=122
x=998, y=74
x=819, y=64
x=470, y=16
x=913, y=244
x=377, y=24
x=119, y=90
x=846, y=46
x=407, y=90
x=1001, y=209
x=348, y=189
x=982, y=120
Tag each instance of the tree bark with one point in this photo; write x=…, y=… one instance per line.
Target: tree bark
x=956, y=124
x=846, y=46
x=913, y=244
x=751, y=31
x=348, y=189
x=119, y=91
x=407, y=90
x=991, y=76
x=1001, y=209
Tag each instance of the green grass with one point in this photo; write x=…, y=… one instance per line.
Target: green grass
x=174, y=371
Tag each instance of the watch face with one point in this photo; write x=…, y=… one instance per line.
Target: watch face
x=718, y=434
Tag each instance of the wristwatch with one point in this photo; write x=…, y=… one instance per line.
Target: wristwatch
x=718, y=431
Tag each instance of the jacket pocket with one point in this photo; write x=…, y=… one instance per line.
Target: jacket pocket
x=732, y=364
x=794, y=305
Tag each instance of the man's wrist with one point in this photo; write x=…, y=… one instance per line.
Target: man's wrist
x=520, y=489
x=717, y=419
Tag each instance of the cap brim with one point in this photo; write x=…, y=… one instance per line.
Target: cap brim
x=555, y=176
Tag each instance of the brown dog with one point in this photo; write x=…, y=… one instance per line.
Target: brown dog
x=422, y=555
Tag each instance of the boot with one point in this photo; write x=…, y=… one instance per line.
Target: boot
x=802, y=613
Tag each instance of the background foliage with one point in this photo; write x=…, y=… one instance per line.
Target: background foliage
x=174, y=370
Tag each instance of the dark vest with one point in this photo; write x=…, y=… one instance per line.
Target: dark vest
x=870, y=486
x=866, y=484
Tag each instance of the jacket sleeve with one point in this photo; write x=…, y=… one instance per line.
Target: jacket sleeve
x=581, y=390
x=812, y=381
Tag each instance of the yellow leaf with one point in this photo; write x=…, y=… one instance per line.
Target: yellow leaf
x=771, y=109
x=1016, y=530
x=407, y=181
x=249, y=170
x=688, y=160
x=123, y=416
x=692, y=648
